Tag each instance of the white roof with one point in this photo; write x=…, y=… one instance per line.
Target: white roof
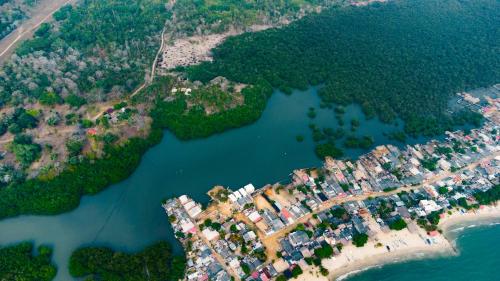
x=232, y=197
x=249, y=188
x=194, y=212
x=210, y=234
x=254, y=216
x=414, y=161
x=242, y=191
x=237, y=194
x=184, y=199
x=234, y=263
x=414, y=171
x=189, y=205
x=444, y=164
x=186, y=226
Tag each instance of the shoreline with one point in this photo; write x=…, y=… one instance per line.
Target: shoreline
x=354, y=260
x=480, y=216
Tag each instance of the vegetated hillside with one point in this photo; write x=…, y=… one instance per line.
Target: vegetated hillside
x=17, y=262
x=98, y=49
x=156, y=262
x=398, y=59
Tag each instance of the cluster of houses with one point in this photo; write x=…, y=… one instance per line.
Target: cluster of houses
x=242, y=196
x=338, y=225
x=185, y=91
x=386, y=189
x=202, y=263
x=387, y=167
x=272, y=220
x=217, y=249
x=114, y=115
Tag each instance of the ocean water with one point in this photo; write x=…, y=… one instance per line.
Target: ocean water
x=478, y=259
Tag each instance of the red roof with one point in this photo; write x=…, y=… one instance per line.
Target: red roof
x=433, y=233
x=286, y=214
x=92, y=131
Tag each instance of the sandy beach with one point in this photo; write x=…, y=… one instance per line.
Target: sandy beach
x=404, y=245
x=485, y=213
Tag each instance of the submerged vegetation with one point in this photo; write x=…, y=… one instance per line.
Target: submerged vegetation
x=156, y=262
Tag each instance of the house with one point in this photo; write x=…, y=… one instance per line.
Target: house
x=286, y=246
x=210, y=234
x=298, y=238
x=443, y=164
x=280, y=265
x=429, y=206
x=358, y=224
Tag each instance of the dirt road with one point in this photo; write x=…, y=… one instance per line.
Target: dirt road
x=42, y=13
x=272, y=241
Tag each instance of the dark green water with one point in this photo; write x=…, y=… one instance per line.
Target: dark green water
x=478, y=260
x=128, y=215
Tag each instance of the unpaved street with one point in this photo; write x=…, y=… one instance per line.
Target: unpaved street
x=42, y=13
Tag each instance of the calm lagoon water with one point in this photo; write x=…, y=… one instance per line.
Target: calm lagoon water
x=128, y=215
x=479, y=260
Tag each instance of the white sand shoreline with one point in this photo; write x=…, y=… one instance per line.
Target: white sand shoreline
x=354, y=260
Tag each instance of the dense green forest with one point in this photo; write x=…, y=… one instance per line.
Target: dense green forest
x=155, y=263
x=18, y=262
x=195, y=123
x=98, y=49
x=398, y=59
x=89, y=176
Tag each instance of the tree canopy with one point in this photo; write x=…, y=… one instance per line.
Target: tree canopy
x=18, y=262
x=155, y=263
x=397, y=59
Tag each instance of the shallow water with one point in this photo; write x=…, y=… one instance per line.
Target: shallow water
x=128, y=215
x=478, y=260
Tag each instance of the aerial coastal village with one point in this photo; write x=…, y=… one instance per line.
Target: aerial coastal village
x=345, y=114
x=331, y=220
